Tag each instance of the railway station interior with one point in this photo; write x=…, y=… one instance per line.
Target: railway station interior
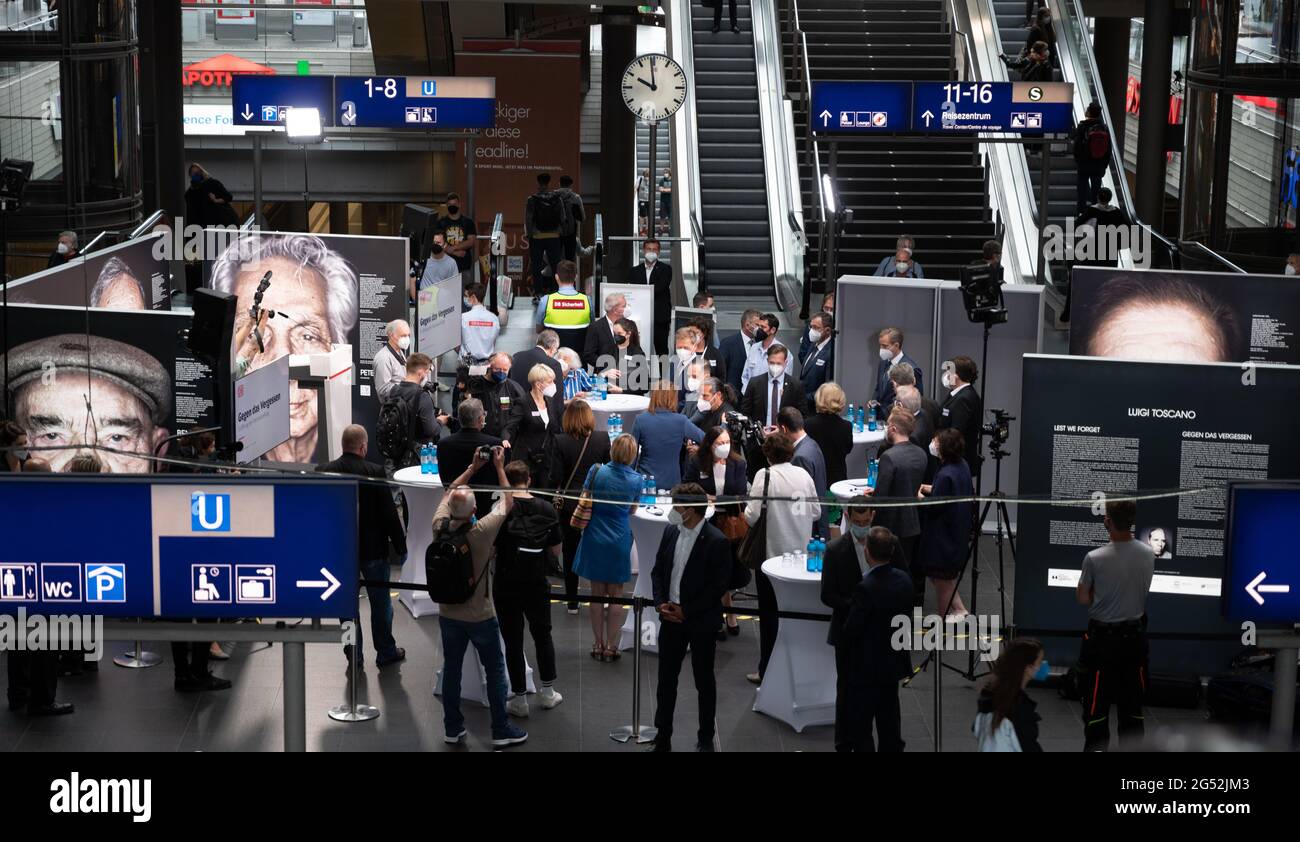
x=744, y=376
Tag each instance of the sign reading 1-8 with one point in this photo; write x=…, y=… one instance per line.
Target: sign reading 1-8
x=384, y=87
x=974, y=92
x=654, y=87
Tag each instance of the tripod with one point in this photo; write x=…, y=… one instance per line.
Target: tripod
x=997, y=502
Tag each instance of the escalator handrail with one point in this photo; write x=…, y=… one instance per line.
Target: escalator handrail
x=599, y=271
x=1209, y=254
x=697, y=234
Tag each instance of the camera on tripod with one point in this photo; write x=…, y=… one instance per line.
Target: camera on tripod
x=744, y=431
x=981, y=293
x=999, y=430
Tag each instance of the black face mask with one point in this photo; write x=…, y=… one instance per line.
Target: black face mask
x=452, y=210
x=435, y=248
x=620, y=340
x=760, y=335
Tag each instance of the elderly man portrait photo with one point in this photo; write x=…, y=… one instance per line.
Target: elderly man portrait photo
x=118, y=288
x=78, y=392
x=313, y=292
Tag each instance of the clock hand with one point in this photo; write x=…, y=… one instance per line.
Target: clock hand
x=650, y=85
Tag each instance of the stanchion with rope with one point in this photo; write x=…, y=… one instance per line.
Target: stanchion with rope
x=351, y=711
x=635, y=733
x=138, y=658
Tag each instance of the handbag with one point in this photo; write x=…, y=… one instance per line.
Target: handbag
x=753, y=548
x=582, y=512
x=558, y=500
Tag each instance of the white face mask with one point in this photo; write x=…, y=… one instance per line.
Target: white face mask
x=651, y=257
x=814, y=336
x=693, y=384
x=704, y=405
x=404, y=342
x=63, y=249
x=776, y=370
x=902, y=265
x=934, y=449
x=549, y=390
x=947, y=380
x=1290, y=270
x=886, y=355
x=685, y=355
x=674, y=517
x=721, y=451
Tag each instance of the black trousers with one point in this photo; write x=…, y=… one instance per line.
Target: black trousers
x=875, y=704
x=843, y=723
x=33, y=678
x=674, y=640
x=1113, y=661
x=717, y=12
x=913, y=564
x=516, y=605
x=572, y=537
x=1088, y=184
x=191, y=659
x=541, y=252
x=767, y=620
x=569, y=246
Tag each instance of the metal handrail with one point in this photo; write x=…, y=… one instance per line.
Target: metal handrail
x=497, y=243
x=598, y=274
x=697, y=232
x=95, y=242
x=684, y=147
x=146, y=226
x=1206, y=252
x=802, y=72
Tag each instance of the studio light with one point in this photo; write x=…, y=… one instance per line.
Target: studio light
x=303, y=125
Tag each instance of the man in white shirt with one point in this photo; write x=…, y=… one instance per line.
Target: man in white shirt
x=764, y=338
x=390, y=360
x=691, y=573
x=479, y=328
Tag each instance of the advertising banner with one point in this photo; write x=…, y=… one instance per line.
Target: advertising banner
x=1188, y=316
x=325, y=290
x=1097, y=429
x=262, y=409
x=128, y=276
x=438, y=314
x=122, y=380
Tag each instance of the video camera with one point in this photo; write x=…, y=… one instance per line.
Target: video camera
x=981, y=293
x=744, y=431
x=999, y=430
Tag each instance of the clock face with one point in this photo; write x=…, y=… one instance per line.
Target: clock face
x=654, y=87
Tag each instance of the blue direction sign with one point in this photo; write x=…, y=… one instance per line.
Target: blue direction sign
x=263, y=100
x=421, y=102
x=860, y=107
x=1263, y=578
x=221, y=548
x=1013, y=107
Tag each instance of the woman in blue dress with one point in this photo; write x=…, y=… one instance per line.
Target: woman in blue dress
x=605, y=553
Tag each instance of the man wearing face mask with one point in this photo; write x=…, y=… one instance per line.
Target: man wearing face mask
x=600, y=343
x=439, y=267
x=961, y=409
x=685, y=340
x=711, y=405
x=503, y=399
x=691, y=572
x=659, y=275
x=817, y=364
x=479, y=327
x=772, y=391
x=460, y=234
x=764, y=341
x=903, y=248
x=891, y=354
x=64, y=251
x=426, y=423
x=735, y=349
x=390, y=360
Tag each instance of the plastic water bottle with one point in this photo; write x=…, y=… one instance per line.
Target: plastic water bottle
x=648, y=492
x=424, y=458
x=602, y=388
x=811, y=550
x=852, y=415
x=433, y=459
x=618, y=424
x=821, y=552
x=873, y=470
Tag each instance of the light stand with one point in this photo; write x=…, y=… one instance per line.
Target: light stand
x=303, y=126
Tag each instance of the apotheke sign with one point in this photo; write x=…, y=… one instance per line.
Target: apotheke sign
x=216, y=72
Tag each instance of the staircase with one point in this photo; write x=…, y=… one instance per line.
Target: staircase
x=929, y=189
x=1061, y=190
x=733, y=188
x=663, y=160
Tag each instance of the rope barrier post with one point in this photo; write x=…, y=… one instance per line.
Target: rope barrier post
x=353, y=712
x=938, y=702
x=634, y=732
x=138, y=659
x=295, y=696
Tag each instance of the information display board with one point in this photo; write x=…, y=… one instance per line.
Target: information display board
x=203, y=547
x=263, y=100
x=438, y=317
x=1017, y=107
x=1262, y=584
x=861, y=107
x=430, y=102
x=262, y=409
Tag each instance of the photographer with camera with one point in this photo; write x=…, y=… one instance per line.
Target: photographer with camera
x=961, y=409
x=456, y=451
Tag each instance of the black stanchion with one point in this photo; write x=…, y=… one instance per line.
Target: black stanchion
x=634, y=732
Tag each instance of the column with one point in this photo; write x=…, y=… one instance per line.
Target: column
x=618, y=138
x=1110, y=43
x=1153, y=122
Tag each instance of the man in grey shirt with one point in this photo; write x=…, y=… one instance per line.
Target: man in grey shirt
x=1114, y=584
x=390, y=360
x=439, y=267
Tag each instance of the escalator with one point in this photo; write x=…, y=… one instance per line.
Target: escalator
x=733, y=187
x=933, y=190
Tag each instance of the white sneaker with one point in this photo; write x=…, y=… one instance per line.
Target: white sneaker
x=518, y=706
x=550, y=698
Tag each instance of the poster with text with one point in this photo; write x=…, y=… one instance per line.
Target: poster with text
x=1095, y=428
x=1184, y=316
x=115, y=379
x=325, y=289
x=437, y=311
x=129, y=276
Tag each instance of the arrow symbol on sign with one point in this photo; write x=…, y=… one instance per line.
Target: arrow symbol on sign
x=330, y=586
x=247, y=113
x=928, y=115
x=1255, y=588
x=826, y=118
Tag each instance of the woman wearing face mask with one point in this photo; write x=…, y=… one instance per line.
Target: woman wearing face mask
x=721, y=473
x=544, y=411
x=660, y=431
x=636, y=379
x=207, y=201
x=1003, y=701
x=945, y=529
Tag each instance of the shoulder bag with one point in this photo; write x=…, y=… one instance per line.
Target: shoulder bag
x=753, y=549
x=582, y=512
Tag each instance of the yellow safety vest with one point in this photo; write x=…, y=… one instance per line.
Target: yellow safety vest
x=567, y=310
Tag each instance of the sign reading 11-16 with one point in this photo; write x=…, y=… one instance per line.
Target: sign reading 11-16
x=1018, y=107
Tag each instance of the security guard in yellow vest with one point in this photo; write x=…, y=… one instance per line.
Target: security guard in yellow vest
x=567, y=312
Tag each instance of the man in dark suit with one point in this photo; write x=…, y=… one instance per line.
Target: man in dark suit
x=600, y=335
x=891, y=354
x=548, y=342
x=903, y=468
x=842, y=569
x=807, y=455
x=691, y=573
x=766, y=397
x=817, y=359
x=711, y=396
x=875, y=666
x=735, y=348
x=961, y=410
x=660, y=276
x=456, y=452
x=378, y=528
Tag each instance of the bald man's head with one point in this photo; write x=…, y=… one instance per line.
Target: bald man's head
x=354, y=439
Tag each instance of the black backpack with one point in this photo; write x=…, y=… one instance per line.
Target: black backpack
x=548, y=211
x=394, y=427
x=522, y=543
x=449, y=565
